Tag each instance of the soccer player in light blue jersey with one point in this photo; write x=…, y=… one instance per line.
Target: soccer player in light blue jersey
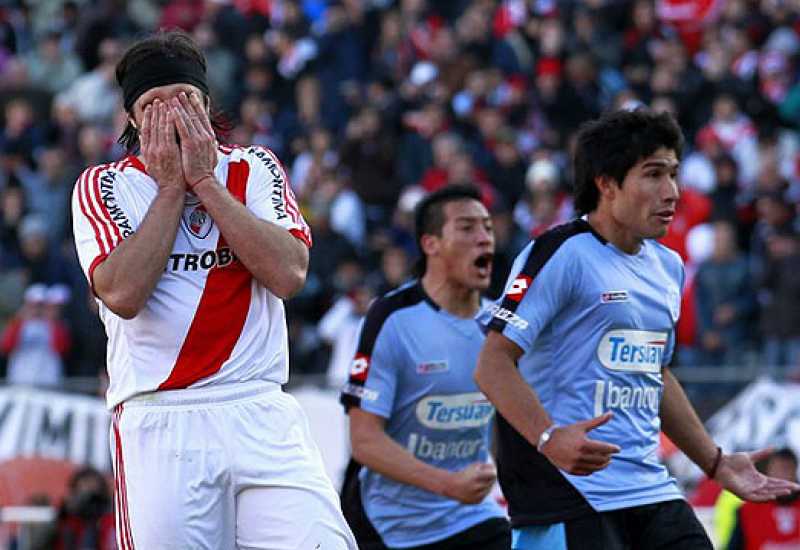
x=580, y=343
x=418, y=423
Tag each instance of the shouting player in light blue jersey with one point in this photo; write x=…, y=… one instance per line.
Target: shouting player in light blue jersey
x=418, y=423
x=581, y=341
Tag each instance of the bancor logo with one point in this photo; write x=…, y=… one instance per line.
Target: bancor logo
x=632, y=350
x=608, y=395
x=451, y=412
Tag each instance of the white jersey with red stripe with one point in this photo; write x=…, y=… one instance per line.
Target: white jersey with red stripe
x=207, y=321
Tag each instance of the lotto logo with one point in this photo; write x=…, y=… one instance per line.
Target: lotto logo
x=359, y=368
x=519, y=287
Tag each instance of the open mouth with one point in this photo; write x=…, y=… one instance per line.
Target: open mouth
x=484, y=263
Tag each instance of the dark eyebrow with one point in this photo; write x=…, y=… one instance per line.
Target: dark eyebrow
x=471, y=218
x=660, y=164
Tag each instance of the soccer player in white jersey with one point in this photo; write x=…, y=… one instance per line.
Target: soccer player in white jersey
x=581, y=342
x=190, y=247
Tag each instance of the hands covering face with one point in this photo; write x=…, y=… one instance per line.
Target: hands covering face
x=178, y=142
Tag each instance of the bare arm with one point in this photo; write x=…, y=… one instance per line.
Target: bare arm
x=735, y=472
x=373, y=448
x=499, y=379
x=273, y=256
x=126, y=279
x=682, y=425
x=276, y=258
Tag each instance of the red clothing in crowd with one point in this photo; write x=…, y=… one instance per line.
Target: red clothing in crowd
x=693, y=209
x=767, y=526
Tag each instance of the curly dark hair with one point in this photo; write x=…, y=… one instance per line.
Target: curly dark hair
x=612, y=144
x=175, y=43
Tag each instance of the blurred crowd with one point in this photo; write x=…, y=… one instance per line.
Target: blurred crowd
x=370, y=104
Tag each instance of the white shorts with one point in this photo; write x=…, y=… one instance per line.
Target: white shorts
x=226, y=467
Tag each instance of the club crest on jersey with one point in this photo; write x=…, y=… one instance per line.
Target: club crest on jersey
x=197, y=221
x=674, y=303
x=519, y=287
x=359, y=367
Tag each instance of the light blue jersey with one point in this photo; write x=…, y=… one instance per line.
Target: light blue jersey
x=414, y=367
x=596, y=326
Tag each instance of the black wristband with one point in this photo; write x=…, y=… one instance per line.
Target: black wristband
x=717, y=459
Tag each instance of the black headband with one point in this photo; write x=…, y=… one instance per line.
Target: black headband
x=161, y=71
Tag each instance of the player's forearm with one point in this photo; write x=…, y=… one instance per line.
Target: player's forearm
x=273, y=256
x=380, y=453
x=499, y=379
x=126, y=279
x=682, y=425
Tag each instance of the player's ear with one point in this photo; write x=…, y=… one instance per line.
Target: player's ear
x=429, y=244
x=606, y=187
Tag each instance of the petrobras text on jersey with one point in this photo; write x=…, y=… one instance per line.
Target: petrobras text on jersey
x=608, y=395
x=631, y=350
x=422, y=447
x=452, y=412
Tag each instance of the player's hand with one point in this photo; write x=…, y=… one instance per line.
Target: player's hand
x=571, y=450
x=159, y=147
x=198, y=143
x=737, y=473
x=472, y=484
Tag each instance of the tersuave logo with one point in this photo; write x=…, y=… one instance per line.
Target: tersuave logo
x=519, y=287
x=359, y=367
x=452, y=412
x=632, y=350
x=608, y=395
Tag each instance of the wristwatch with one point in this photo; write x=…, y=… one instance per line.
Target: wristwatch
x=545, y=437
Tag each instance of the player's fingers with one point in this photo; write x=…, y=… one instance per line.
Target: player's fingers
x=594, y=460
x=144, y=129
x=156, y=132
x=202, y=114
x=781, y=485
x=486, y=477
x=171, y=127
x=593, y=446
x=192, y=116
x=182, y=121
x=597, y=421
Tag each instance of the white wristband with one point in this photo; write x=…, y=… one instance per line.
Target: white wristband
x=545, y=437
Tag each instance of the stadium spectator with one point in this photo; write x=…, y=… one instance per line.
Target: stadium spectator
x=778, y=243
x=725, y=301
x=340, y=326
x=49, y=67
x=767, y=525
x=86, y=519
x=37, y=339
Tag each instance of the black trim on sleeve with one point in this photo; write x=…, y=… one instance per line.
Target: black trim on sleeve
x=400, y=298
x=544, y=247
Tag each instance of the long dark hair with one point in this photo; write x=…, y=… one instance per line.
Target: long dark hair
x=174, y=43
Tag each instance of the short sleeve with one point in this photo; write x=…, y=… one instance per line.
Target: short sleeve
x=539, y=286
x=269, y=195
x=99, y=221
x=372, y=381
